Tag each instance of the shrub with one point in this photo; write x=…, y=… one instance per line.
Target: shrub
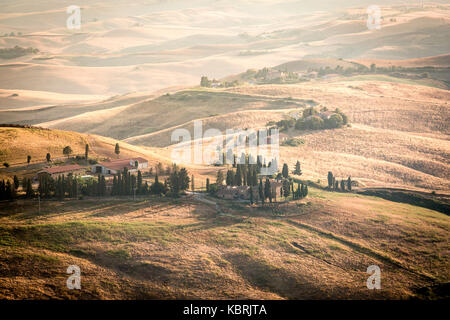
x=314, y=123
x=293, y=142
x=334, y=121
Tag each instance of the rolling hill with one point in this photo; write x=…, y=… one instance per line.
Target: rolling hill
x=317, y=248
x=131, y=76
x=152, y=45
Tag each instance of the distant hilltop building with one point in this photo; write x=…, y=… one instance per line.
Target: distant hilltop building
x=115, y=166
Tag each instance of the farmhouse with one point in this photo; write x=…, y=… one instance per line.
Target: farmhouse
x=62, y=170
x=276, y=187
x=237, y=192
x=243, y=192
x=325, y=114
x=113, y=167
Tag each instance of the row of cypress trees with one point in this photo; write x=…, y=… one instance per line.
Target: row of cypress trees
x=265, y=191
x=334, y=184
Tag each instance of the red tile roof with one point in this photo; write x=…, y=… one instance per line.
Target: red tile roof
x=62, y=169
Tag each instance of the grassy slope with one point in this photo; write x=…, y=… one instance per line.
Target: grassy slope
x=319, y=248
x=17, y=143
x=168, y=111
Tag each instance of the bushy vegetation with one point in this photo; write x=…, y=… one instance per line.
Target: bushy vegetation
x=205, y=82
x=314, y=120
x=11, y=53
x=293, y=142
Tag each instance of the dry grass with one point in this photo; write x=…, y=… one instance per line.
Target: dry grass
x=161, y=248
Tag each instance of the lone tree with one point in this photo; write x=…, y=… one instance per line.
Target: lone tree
x=349, y=184
x=193, y=183
x=48, y=157
x=297, y=170
x=285, y=171
x=6, y=164
x=86, y=151
x=28, y=159
x=330, y=180
x=67, y=151
x=117, y=150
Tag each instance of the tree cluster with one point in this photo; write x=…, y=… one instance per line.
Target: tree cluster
x=335, y=184
x=314, y=120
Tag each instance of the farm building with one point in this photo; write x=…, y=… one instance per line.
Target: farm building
x=63, y=170
x=113, y=167
x=243, y=192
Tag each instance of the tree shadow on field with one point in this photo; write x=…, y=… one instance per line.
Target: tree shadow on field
x=267, y=277
x=22, y=210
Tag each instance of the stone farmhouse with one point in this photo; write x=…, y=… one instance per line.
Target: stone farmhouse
x=115, y=166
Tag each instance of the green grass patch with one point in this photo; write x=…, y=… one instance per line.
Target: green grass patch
x=64, y=236
x=121, y=254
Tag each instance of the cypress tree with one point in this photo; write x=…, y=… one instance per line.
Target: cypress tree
x=103, y=186
x=267, y=190
x=114, y=186
x=285, y=171
x=10, y=191
x=16, y=182
x=133, y=184
x=238, y=176
x=2, y=190
x=349, y=184
x=330, y=180
x=139, y=182
x=261, y=191
x=99, y=185
x=297, y=171
x=219, y=179
x=119, y=187
x=86, y=151
x=75, y=187
x=117, y=150
x=230, y=178
x=29, y=189
x=286, y=189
